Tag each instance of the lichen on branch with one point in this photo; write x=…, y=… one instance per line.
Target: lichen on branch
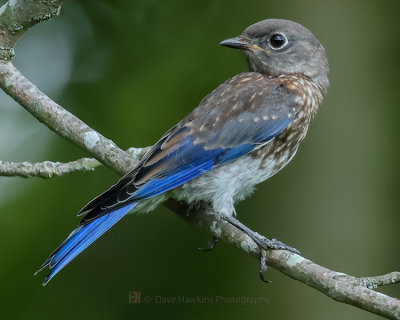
x=18, y=16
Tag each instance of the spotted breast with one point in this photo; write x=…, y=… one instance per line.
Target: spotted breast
x=219, y=188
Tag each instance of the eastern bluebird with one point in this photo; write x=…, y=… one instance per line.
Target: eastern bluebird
x=242, y=133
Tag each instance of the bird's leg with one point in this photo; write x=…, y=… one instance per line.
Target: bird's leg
x=260, y=240
x=211, y=244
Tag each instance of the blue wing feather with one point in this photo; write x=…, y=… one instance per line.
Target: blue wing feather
x=191, y=161
x=80, y=239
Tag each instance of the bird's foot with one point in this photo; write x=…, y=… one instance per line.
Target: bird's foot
x=265, y=243
x=210, y=244
x=262, y=242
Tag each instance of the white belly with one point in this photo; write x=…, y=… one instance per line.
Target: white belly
x=230, y=182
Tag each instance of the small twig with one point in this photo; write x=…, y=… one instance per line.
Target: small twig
x=46, y=169
x=378, y=281
x=49, y=169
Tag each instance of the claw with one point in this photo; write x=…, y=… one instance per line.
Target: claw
x=263, y=266
x=211, y=244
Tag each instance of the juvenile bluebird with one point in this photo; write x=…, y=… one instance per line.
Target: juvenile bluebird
x=242, y=133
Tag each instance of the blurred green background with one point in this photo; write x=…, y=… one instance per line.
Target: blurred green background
x=131, y=70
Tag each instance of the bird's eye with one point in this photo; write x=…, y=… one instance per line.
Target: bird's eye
x=277, y=41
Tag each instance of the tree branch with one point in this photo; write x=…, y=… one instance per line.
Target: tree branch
x=61, y=121
x=339, y=286
x=18, y=16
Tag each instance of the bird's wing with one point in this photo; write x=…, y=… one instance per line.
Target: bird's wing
x=239, y=115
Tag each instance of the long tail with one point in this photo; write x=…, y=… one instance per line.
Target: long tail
x=80, y=239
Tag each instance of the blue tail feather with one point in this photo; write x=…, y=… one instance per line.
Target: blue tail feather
x=80, y=239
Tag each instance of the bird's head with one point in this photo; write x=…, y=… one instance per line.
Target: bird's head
x=280, y=47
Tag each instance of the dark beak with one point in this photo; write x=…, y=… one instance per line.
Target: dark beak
x=235, y=43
